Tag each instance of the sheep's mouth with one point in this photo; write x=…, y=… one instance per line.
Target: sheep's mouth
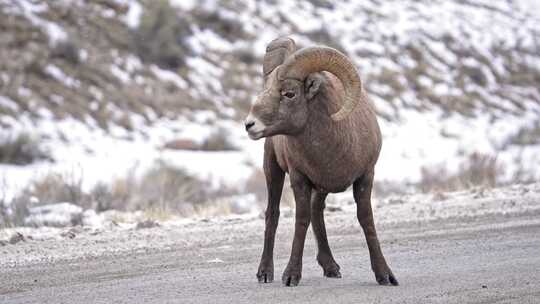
x=255, y=128
x=256, y=135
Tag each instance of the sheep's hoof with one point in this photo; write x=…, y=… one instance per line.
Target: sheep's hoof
x=332, y=273
x=386, y=279
x=331, y=270
x=291, y=277
x=265, y=274
x=329, y=266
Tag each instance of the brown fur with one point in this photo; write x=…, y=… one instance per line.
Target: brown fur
x=321, y=156
x=331, y=154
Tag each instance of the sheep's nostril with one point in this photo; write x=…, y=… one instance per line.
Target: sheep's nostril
x=249, y=124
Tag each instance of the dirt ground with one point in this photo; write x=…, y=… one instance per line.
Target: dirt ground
x=473, y=257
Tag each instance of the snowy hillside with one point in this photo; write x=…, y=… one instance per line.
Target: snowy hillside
x=108, y=87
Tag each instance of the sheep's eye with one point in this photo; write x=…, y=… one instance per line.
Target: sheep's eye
x=289, y=95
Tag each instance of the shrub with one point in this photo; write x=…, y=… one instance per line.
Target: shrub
x=322, y=3
x=245, y=55
x=21, y=150
x=228, y=28
x=102, y=197
x=529, y=135
x=160, y=37
x=56, y=188
x=477, y=170
x=322, y=36
x=166, y=186
x=162, y=189
x=218, y=141
x=66, y=50
x=13, y=215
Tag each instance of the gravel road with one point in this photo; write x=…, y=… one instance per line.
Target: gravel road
x=491, y=257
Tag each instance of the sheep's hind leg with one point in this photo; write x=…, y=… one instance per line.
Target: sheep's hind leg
x=274, y=184
x=362, y=196
x=302, y=196
x=324, y=254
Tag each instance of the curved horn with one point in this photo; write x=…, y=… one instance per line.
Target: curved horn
x=276, y=52
x=320, y=58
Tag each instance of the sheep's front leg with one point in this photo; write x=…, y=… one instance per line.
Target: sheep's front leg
x=274, y=184
x=302, y=194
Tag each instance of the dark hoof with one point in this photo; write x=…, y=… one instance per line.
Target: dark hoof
x=265, y=277
x=265, y=274
x=291, y=277
x=329, y=266
x=331, y=270
x=386, y=279
x=333, y=273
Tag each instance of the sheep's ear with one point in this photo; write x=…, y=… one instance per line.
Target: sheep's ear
x=312, y=84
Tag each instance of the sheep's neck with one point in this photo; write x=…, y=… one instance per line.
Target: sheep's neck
x=334, y=154
x=323, y=143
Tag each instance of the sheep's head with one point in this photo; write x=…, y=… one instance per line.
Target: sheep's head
x=291, y=81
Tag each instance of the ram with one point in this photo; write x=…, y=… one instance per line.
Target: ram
x=321, y=129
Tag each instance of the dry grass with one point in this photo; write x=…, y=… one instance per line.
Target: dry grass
x=158, y=214
x=164, y=191
x=256, y=184
x=160, y=192
x=384, y=188
x=52, y=188
x=161, y=189
x=478, y=170
x=12, y=213
x=56, y=188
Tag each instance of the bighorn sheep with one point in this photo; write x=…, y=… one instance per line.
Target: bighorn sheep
x=322, y=152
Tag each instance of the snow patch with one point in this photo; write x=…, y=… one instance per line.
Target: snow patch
x=56, y=215
x=133, y=16
x=56, y=73
x=169, y=76
x=8, y=103
x=184, y=4
x=122, y=75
